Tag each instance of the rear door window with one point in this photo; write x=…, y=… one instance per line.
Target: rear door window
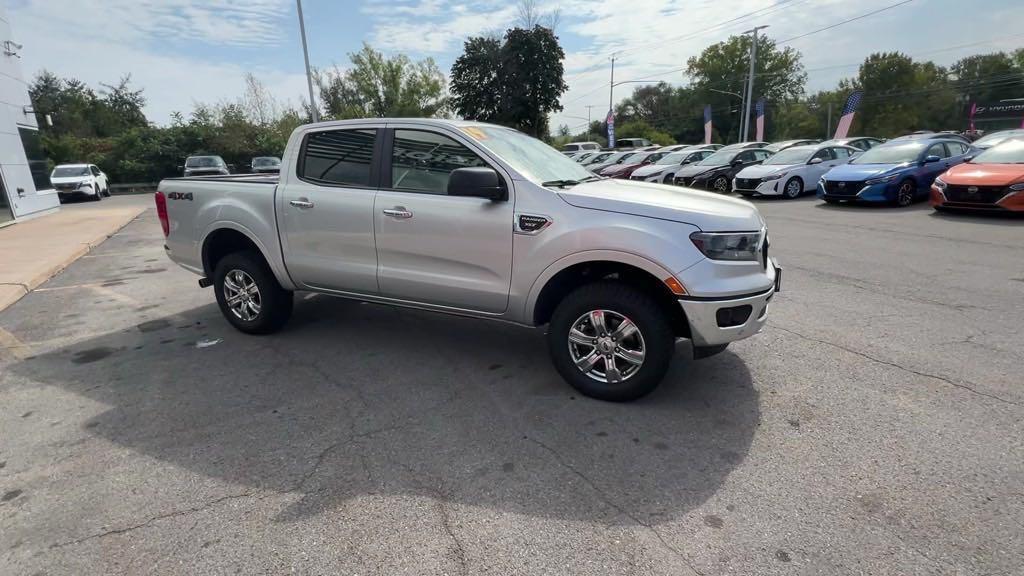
x=338, y=157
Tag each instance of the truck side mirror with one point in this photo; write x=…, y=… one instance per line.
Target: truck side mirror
x=477, y=182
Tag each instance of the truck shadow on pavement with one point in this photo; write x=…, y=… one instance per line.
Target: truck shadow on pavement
x=357, y=400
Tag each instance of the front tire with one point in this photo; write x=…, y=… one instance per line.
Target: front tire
x=720, y=185
x=96, y=194
x=249, y=295
x=611, y=341
x=794, y=188
x=905, y=194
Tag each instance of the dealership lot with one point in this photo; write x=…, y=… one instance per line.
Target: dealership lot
x=875, y=427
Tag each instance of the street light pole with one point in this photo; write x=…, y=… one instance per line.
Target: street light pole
x=589, y=106
x=750, y=81
x=314, y=113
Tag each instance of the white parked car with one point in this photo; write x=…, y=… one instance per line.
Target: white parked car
x=80, y=180
x=664, y=170
x=580, y=146
x=791, y=172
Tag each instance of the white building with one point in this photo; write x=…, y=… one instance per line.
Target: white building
x=25, y=189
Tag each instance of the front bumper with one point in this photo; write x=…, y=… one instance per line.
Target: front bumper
x=763, y=188
x=859, y=191
x=706, y=315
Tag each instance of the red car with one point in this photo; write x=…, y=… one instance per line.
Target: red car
x=992, y=181
x=625, y=170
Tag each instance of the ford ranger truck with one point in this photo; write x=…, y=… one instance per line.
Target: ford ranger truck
x=480, y=220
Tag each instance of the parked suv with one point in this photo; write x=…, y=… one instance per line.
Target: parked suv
x=80, y=180
x=580, y=146
x=205, y=166
x=632, y=143
x=480, y=220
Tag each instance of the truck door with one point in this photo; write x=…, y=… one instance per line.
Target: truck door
x=433, y=248
x=326, y=211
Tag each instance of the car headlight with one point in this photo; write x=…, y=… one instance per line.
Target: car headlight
x=774, y=176
x=1017, y=187
x=940, y=184
x=728, y=245
x=881, y=180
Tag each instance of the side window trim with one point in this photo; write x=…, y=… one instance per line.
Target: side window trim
x=300, y=165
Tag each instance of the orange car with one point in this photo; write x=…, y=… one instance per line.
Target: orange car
x=993, y=181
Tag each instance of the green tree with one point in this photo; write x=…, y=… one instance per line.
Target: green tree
x=723, y=68
x=380, y=86
x=901, y=96
x=515, y=82
x=987, y=78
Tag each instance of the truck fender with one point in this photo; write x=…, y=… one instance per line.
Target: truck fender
x=554, y=268
x=276, y=265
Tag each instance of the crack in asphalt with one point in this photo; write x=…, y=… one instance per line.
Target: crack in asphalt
x=970, y=388
x=157, y=518
x=446, y=525
x=612, y=504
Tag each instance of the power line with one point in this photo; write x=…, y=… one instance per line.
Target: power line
x=847, y=21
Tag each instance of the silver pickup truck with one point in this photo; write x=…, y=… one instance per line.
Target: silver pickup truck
x=480, y=220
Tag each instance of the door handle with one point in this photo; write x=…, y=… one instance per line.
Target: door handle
x=398, y=212
x=301, y=203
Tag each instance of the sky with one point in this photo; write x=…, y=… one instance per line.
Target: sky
x=182, y=52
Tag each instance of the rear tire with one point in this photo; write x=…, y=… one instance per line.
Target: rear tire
x=639, y=359
x=262, y=310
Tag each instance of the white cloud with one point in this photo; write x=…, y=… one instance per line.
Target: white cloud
x=434, y=26
x=99, y=43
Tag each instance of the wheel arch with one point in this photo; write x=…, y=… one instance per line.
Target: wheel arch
x=223, y=238
x=571, y=272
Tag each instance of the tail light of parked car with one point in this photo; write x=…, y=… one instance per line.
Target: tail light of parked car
x=161, y=212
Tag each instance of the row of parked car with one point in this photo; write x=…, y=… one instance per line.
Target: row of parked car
x=900, y=171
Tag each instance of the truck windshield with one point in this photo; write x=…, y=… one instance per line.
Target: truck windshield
x=204, y=162
x=70, y=171
x=530, y=157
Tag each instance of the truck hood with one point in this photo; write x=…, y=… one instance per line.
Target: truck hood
x=705, y=210
x=760, y=170
x=857, y=172
x=984, y=174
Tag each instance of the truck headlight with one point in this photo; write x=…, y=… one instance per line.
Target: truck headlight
x=728, y=245
x=882, y=180
x=940, y=184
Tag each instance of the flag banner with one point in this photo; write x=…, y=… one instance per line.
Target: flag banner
x=759, y=112
x=610, y=120
x=848, y=111
x=707, y=124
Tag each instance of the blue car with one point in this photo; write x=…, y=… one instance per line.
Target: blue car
x=898, y=172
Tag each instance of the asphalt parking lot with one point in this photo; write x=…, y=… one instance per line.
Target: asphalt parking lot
x=874, y=427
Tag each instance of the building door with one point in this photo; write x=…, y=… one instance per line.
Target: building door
x=5, y=204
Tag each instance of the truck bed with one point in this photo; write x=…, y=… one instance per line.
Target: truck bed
x=252, y=178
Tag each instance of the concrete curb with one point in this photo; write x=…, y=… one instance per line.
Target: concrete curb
x=12, y=292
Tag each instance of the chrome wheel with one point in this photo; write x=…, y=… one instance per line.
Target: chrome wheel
x=905, y=195
x=793, y=188
x=721, y=184
x=606, y=346
x=242, y=295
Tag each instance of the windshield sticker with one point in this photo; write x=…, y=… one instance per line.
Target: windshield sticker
x=475, y=133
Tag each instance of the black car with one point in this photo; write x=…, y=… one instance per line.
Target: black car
x=717, y=171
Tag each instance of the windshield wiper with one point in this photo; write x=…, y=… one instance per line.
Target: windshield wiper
x=568, y=183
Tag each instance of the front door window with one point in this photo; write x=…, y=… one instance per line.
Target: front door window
x=5, y=204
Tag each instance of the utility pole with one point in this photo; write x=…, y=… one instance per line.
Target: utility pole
x=589, y=106
x=314, y=113
x=611, y=104
x=750, y=81
x=828, y=129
